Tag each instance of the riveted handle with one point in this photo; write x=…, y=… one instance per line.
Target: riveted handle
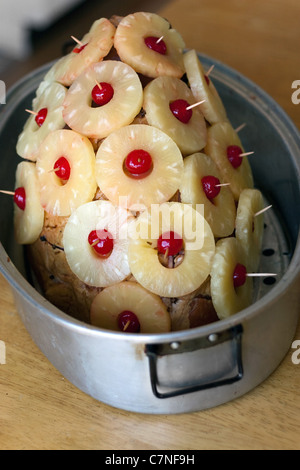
x=179, y=368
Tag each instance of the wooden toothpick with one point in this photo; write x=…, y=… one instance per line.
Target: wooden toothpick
x=160, y=39
x=95, y=242
x=194, y=105
x=210, y=70
x=126, y=326
x=245, y=154
x=11, y=193
x=77, y=40
x=260, y=274
x=98, y=84
x=262, y=210
x=222, y=184
x=238, y=129
x=31, y=112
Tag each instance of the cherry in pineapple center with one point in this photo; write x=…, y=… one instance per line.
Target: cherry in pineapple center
x=101, y=242
x=102, y=93
x=138, y=164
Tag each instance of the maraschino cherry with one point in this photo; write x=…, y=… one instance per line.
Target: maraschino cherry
x=156, y=44
x=77, y=50
x=138, y=163
x=128, y=322
x=210, y=186
x=20, y=198
x=41, y=116
x=234, y=155
x=102, y=242
x=180, y=111
x=102, y=93
x=169, y=243
x=62, y=168
x=239, y=275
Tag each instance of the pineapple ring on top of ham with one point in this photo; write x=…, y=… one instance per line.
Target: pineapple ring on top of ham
x=96, y=44
x=128, y=298
x=155, y=186
x=33, y=134
x=90, y=266
x=187, y=130
x=61, y=196
x=228, y=299
x=219, y=211
x=29, y=218
x=148, y=43
x=198, y=249
x=121, y=109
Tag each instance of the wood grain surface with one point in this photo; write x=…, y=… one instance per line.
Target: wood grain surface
x=39, y=409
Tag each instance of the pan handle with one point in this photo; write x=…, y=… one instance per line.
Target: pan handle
x=225, y=347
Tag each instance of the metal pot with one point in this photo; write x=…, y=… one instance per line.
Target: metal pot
x=192, y=369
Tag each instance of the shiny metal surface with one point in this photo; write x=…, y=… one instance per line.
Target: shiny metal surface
x=116, y=368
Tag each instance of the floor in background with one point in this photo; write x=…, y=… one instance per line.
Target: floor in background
x=48, y=45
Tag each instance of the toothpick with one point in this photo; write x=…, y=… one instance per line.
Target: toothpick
x=238, y=129
x=260, y=274
x=262, y=210
x=166, y=254
x=11, y=193
x=210, y=70
x=97, y=83
x=31, y=112
x=95, y=242
x=54, y=169
x=160, y=39
x=194, y=105
x=77, y=40
x=222, y=184
x=245, y=154
x=126, y=326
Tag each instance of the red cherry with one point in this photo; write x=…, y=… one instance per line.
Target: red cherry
x=239, y=275
x=138, y=163
x=103, y=95
x=171, y=242
x=62, y=168
x=233, y=154
x=180, y=111
x=154, y=45
x=41, y=116
x=129, y=322
x=101, y=241
x=210, y=187
x=77, y=50
x=20, y=198
x=207, y=79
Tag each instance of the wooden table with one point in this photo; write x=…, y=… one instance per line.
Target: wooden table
x=39, y=409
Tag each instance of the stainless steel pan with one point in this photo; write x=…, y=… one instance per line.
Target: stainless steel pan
x=192, y=369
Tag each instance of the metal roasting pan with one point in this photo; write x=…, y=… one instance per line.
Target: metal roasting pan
x=188, y=370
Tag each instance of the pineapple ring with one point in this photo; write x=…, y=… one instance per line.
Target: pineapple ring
x=98, y=42
x=227, y=299
x=83, y=261
x=51, y=76
x=120, y=111
x=219, y=213
x=61, y=199
x=32, y=135
x=219, y=137
x=157, y=187
x=28, y=223
x=130, y=45
x=198, y=242
x=212, y=108
x=149, y=308
x=158, y=94
x=249, y=229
